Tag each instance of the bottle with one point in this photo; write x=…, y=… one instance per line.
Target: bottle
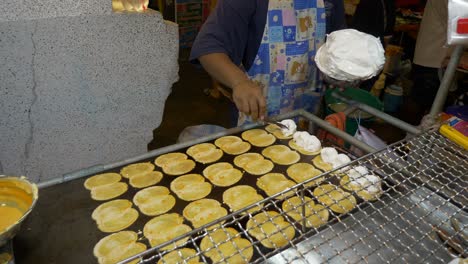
x=379, y=85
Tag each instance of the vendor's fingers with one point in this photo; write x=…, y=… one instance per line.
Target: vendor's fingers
x=262, y=107
x=253, y=108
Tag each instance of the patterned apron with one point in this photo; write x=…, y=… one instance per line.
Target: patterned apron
x=284, y=65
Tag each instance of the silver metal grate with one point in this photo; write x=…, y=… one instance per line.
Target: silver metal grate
x=420, y=217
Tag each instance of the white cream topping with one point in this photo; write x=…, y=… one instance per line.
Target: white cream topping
x=291, y=127
x=307, y=141
x=359, y=176
x=350, y=55
x=328, y=154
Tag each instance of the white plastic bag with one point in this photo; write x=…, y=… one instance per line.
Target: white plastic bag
x=457, y=15
x=365, y=135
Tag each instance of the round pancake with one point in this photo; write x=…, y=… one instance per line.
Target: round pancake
x=191, y=187
x=154, y=200
x=276, y=131
x=145, y=180
x=273, y=183
x=101, y=179
x=259, y=167
x=117, y=247
x=319, y=163
x=241, y=196
x=226, y=246
x=181, y=255
x=164, y=228
x=115, y=215
x=179, y=167
x=205, y=153
x=220, y=142
x=301, y=172
x=236, y=148
x=162, y=160
x=270, y=229
x=108, y=191
x=361, y=191
x=136, y=169
x=274, y=150
x=316, y=214
x=301, y=150
x=335, y=198
x=258, y=137
x=242, y=160
x=222, y=174
x=203, y=211
x=281, y=154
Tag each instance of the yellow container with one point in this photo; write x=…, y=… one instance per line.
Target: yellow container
x=454, y=135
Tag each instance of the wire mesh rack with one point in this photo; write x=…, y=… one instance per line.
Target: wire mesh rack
x=419, y=216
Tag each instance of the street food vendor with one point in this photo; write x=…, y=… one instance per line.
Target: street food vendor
x=264, y=51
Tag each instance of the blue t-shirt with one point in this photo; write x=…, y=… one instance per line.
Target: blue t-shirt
x=236, y=28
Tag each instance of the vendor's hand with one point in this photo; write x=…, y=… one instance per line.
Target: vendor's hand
x=249, y=99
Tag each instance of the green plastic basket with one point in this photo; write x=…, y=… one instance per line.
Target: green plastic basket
x=359, y=95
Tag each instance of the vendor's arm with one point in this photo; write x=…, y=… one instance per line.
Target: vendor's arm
x=230, y=37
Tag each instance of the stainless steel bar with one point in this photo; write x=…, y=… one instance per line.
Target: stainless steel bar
x=446, y=81
x=384, y=116
x=326, y=126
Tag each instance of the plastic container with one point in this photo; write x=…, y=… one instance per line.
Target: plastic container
x=334, y=105
x=393, y=99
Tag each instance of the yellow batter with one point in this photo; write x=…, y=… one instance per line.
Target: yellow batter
x=136, y=169
x=228, y=247
x=222, y=174
x=115, y=215
x=10, y=215
x=14, y=202
x=164, y=228
x=241, y=196
x=191, y=187
x=315, y=215
x=163, y=160
x=101, y=179
x=301, y=172
x=145, y=180
x=273, y=183
x=108, y=191
x=335, y=198
x=182, y=255
x=154, y=200
x=271, y=229
x=205, y=153
x=203, y=211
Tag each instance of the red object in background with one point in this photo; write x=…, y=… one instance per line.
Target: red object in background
x=407, y=3
x=462, y=26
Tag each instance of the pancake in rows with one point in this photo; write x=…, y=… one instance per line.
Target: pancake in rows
x=273, y=183
x=154, y=200
x=115, y=215
x=276, y=131
x=241, y=196
x=253, y=163
x=242, y=160
x=319, y=163
x=164, y=228
x=232, y=145
x=108, y=191
x=335, y=198
x=315, y=215
x=205, y=153
x=364, y=191
x=145, y=180
x=203, y=211
x=281, y=155
x=179, y=167
x=301, y=150
x=136, y=169
x=117, y=247
x=301, y=172
x=101, y=179
x=226, y=246
x=258, y=137
x=191, y=187
x=271, y=229
x=164, y=159
x=181, y=255
x=222, y=174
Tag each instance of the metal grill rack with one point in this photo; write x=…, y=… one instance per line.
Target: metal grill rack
x=420, y=216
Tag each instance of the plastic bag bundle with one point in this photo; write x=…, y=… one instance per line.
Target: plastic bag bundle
x=457, y=31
